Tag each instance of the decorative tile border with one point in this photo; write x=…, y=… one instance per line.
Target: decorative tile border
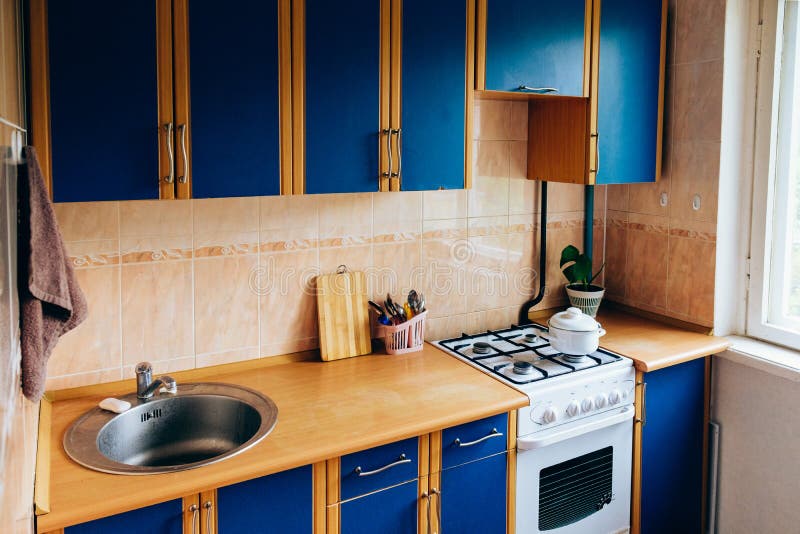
x=83, y=261
x=212, y=251
x=150, y=256
x=693, y=234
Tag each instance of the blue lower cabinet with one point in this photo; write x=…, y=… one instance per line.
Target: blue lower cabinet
x=389, y=511
x=277, y=503
x=672, y=449
x=163, y=518
x=474, y=496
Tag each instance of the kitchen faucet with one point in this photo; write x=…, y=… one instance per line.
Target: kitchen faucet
x=146, y=386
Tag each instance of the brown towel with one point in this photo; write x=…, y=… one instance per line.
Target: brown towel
x=51, y=302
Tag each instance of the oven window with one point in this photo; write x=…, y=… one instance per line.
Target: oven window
x=575, y=489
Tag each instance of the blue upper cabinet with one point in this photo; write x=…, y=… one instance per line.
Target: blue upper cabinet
x=535, y=45
x=630, y=90
x=106, y=118
x=234, y=90
x=432, y=148
x=342, y=95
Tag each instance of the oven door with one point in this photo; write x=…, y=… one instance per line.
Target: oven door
x=576, y=477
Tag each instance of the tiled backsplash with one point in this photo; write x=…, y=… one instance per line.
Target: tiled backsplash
x=661, y=256
x=194, y=283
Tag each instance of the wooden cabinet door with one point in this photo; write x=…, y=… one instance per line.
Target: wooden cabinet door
x=109, y=72
x=537, y=44
x=433, y=98
x=277, y=503
x=163, y=518
x=388, y=511
x=234, y=90
x=630, y=90
x=672, y=449
x=342, y=70
x=473, y=496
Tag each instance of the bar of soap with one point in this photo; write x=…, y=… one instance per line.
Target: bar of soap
x=115, y=405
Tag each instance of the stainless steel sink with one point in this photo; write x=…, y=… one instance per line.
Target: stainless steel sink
x=201, y=424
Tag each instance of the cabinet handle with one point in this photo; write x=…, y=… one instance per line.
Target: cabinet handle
x=493, y=434
x=195, y=510
x=388, y=133
x=538, y=90
x=438, y=495
x=401, y=460
x=399, y=173
x=643, y=419
x=208, y=505
x=171, y=177
x=427, y=497
x=185, y=176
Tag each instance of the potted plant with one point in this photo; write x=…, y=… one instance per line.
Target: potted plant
x=577, y=269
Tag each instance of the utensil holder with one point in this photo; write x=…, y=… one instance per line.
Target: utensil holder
x=406, y=337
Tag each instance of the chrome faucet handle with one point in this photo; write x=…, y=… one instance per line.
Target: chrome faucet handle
x=170, y=386
x=144, y=377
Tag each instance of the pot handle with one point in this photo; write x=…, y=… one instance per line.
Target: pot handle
x=601, y=332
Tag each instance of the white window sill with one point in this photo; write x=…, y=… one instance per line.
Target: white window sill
x=773, y=359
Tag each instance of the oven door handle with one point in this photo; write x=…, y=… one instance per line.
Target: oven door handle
x=543, y=439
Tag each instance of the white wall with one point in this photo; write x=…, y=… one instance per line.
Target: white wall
x=759, y=472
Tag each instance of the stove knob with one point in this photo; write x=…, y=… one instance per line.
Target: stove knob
x=573, y=408
x=549, y=415
x=600, y=400
x=614, y=397
x=587, y=404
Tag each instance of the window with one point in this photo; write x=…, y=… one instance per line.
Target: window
x=774, y=296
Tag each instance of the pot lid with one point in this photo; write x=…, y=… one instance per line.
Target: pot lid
x=573, y=319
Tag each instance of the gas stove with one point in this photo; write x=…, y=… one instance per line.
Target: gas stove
x=521, y=356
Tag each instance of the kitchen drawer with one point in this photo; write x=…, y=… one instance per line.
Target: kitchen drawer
x=379, y=467
x=470, y=441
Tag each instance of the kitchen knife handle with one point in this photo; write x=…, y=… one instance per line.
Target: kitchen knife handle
x=170, y=153
x=401, y=460
x=493, y=434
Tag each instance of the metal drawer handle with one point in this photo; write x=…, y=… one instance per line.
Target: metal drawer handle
x=171, y=178
x=643, y=419
x=538, y=90
x=388, y=133
x=438, y=494
x=399, y=134
x=182, y=179
x=493, y=434
x=208, y=506
x=195, y=510
x=402, y=460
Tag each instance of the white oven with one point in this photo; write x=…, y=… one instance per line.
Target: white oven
x=576, y=477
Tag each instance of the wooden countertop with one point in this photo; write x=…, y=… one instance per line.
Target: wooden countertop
x=651, y=343
x=325, y=409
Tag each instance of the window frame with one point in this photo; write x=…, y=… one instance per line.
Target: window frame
x=765, y=162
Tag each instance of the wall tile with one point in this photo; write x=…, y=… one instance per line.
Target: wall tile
x=616, y=252
x=345, y=219
x=522, y=267
x=226, y=305
x=518, y=129
x=489, y=285
x=564, y=197
x=275, y=212
x=646, y=198
x=95, y=343
x=445, y=327
x=695, y=172
x=690, y=279
x=225, y=226
x=157, y=312
x=700, y=30
x=492, y=120
x=88, y=221
x=646, y=264
x=396, y=216
x=155, y=218
x=396, y=269
x=287, y=299
x=618, y=197
x=445, y=204
x=697, y=101
x=445, y=263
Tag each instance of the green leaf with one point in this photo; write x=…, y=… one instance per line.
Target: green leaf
x=582, y=269
x=570, y=253
x=569, y=274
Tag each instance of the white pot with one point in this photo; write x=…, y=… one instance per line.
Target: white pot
x=573, y=332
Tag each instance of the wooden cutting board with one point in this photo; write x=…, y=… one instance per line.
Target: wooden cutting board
x=343, y=315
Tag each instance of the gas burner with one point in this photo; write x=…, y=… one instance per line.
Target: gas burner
x=481, y=347
x=574, y=358
x=530, y=338
x=523, y=368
